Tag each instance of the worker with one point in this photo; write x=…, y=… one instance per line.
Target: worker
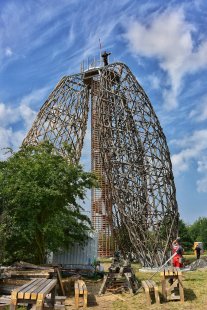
x=105, y=58
x=178, y=258
x=99, y=269
x=198, y=251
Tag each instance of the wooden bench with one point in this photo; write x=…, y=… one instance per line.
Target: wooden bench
x=34, y=292
x=150, y=287
x=80, y=289
x=172, y=285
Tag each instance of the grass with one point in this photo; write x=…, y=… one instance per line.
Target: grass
x=195, y=289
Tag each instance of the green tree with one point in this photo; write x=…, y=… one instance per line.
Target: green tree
x=39, y=212
x=198, y=230
x=185, y=235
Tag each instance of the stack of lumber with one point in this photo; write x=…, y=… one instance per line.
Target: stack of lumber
x=21, y=272
x=5, y=301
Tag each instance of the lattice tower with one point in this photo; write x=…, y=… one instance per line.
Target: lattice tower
x=136, y=201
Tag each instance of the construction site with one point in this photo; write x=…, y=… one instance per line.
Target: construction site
x=133, y=258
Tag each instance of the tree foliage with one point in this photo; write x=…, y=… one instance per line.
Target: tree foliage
x=184, y=234
x=198, y=230
x=39, y=212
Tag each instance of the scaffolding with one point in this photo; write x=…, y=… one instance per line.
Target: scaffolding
x=101, y=205
x=135, y=204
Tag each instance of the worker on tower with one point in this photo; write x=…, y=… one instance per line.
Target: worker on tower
x=178, y=258
x=105, y=58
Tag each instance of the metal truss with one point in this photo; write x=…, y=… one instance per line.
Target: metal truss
x=136, y=202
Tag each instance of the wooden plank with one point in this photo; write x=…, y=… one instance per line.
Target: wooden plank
x=5, y=300
x=76, y=286
x=4, y=306
x=144, y=284
x=40, y=287
x=30, y=272
x=51, y=284
x=150, y=285
x=103, y=286
x=39, y=304
x=164, y=292
x=28, y=294
x=60, y=281
x=60, y=299
x=181, y=289
x=175, y=283
x=14, y=292
x=24, y=290
x=13, y=304
x=147, y=293
x=85, y=298
x=157, y=296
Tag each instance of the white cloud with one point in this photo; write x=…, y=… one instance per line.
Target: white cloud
x=202, y=185
x=27, y=115
x=8, y=52
x=8, y=115
x=193, y=148
x=36, y=97
x=168, y=38
x=9, y=138
x=200, y=113
x=154, y=81
x=24, y=113
x=202, y=169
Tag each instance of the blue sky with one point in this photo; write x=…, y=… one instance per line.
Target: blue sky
x=163, y=42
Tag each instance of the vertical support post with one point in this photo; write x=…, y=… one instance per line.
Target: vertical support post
x=101, y=205
x=39, y=304
x=13, y=304
x=181, y=290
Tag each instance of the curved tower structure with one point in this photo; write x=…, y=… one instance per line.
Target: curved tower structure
x=135, y=206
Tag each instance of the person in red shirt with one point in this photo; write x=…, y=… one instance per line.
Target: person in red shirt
x=177, y=248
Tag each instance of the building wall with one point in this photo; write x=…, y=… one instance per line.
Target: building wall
x=78, y=254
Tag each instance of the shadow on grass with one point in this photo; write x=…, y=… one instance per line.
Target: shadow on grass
x=189, y=294
x=92, y=301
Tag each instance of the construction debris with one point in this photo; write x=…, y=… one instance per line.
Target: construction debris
x=199, y=263
x=19, y=273
x=121, y=277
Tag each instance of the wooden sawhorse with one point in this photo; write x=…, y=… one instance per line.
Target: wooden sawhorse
x=150, y=287
x=172, y=285
x=80, y=289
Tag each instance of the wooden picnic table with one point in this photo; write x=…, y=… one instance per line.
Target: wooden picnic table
x=34, y=292
x=172, y=285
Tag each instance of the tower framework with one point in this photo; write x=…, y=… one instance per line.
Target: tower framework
x=136, y=202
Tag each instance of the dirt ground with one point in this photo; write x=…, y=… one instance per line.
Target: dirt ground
x=195, y=288
x=95, y=302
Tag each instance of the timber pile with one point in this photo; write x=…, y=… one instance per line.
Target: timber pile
x=19, y=273
x=5, y=302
